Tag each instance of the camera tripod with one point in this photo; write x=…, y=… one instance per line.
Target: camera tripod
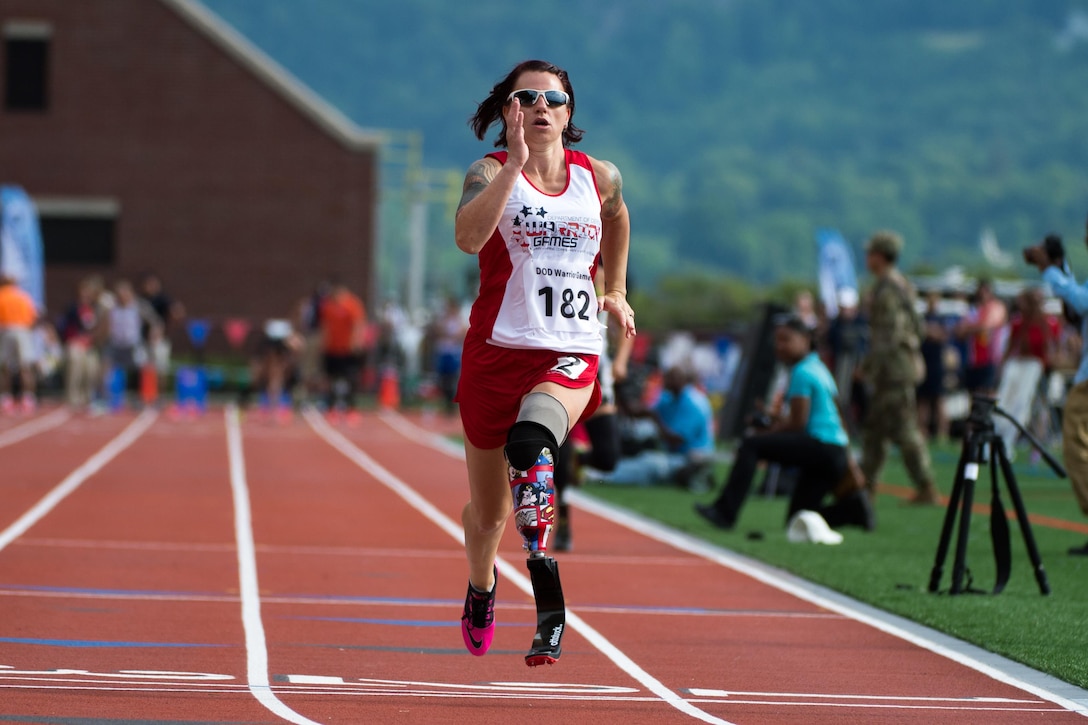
x=980, y=437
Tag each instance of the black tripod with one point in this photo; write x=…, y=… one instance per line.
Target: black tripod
x=980, y=436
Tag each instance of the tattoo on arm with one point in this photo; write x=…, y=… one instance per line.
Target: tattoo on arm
x=479, y=175
x=613, y=199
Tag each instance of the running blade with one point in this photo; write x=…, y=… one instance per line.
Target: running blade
x=550, y=611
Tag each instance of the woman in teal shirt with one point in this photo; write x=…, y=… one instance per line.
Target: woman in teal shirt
x=810, y=438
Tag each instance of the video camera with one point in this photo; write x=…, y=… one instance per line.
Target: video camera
x=1053, y=248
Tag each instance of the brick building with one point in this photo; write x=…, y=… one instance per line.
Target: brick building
x=155, y=137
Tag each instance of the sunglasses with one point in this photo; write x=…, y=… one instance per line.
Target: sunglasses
x=529, y=97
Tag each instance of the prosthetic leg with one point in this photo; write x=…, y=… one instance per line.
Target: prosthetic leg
x=529, y=451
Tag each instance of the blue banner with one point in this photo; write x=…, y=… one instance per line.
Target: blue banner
x=21, y=243
x=836, y=270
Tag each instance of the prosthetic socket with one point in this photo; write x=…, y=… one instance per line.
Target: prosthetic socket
x=534, y=512
x=530, y=450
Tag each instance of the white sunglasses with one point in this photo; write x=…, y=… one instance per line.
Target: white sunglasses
x=529, y=97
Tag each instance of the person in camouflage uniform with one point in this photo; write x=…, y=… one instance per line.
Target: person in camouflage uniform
x=891, y=371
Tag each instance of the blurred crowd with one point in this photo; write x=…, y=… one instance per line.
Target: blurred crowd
x=115, y=345
x=1014, y=347
x=93, y=352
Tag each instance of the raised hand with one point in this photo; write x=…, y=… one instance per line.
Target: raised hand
x=517, y=149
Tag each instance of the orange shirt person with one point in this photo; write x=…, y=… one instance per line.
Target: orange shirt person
x=18, y=313
x=343, y=322
x=17, y=308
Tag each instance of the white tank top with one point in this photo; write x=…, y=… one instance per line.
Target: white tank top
x=536, y=270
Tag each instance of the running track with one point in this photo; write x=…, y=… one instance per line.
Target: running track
x=224, y=570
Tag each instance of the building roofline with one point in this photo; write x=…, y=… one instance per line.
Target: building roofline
x=279, y=79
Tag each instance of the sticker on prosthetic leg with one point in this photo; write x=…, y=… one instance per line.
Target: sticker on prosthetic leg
x=551, y=613
x=534, y=512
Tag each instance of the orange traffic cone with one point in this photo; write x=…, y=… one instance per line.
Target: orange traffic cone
x=149, y=384
x=389, y=389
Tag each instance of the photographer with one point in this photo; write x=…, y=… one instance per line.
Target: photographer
x=1049, y=257
x=810, y=438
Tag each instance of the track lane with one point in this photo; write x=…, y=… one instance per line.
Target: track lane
x=388, y=620
x=122, y=602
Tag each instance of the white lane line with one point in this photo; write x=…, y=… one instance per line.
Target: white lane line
x=93, y=465
x=510, y=572
x=700, y=692
x=256, y=646
x=918, y=635
x=34, y=427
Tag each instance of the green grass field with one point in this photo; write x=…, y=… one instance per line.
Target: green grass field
x=890, y=567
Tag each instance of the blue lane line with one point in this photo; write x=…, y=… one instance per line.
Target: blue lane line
x=402, y=601
x=99, y=643
x=39, y=720
x=153, y=593
x=390, y=622
x=106, y=592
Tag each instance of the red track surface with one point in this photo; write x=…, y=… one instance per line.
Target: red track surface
x=128, y=597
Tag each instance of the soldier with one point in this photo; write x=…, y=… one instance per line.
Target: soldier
x=892, y=370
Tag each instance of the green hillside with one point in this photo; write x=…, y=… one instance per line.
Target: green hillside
x=743, y=125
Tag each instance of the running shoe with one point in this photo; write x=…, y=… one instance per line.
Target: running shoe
x=478, y=619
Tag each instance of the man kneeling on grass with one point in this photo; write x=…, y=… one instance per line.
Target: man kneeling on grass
x=809, y=437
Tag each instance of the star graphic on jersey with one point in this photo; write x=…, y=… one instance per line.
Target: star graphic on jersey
x=541, y=212
x=517, y=221
x=526, y=211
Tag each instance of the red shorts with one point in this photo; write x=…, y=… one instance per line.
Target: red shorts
x=495, y=379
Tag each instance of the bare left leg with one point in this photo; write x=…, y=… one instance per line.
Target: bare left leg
x=485, y=514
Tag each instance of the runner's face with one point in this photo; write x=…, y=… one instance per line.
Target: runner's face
x=540, y=120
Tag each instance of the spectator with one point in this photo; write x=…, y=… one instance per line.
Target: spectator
x=847, y=338
x=1075, y=418
x=392, y=319
x=931, y=416
x=449, y=333
x=804, y=305
x=48, y=356
x=125, y=353
x=310, y=367
x=1033, y=343
x=685, y=424
x=273, y=367
x=17, y=317
x=168, y=311
x=809, y=437
x=81, y=331
x=891, y=370
x=343, y=327
x=1033, y=333
x=981, y=328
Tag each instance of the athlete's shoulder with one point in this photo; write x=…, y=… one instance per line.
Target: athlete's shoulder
x=609, y=185
x=600, y=166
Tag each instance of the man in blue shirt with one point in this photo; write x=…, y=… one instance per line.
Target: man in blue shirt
x=685, y=424
x=1049, y=257
x=810, y=438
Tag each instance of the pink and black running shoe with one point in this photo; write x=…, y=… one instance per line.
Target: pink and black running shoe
x=478, y=619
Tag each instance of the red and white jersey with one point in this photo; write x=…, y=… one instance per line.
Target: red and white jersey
x=536, y=270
